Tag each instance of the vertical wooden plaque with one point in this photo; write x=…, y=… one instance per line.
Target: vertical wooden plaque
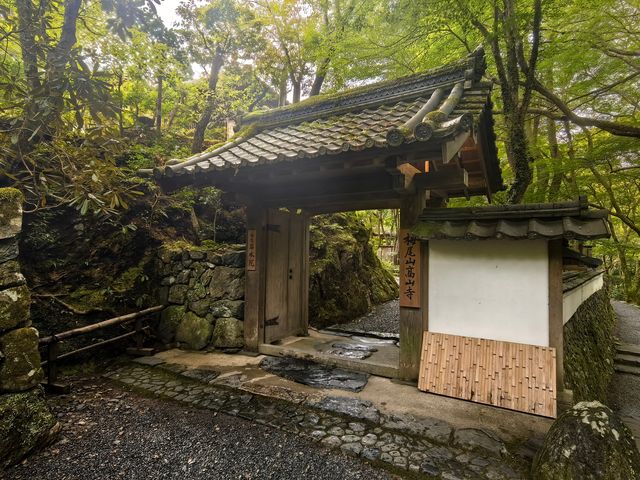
x=251, y=250
x=409, y=270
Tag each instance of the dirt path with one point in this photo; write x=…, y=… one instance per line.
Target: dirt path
x=110, y=433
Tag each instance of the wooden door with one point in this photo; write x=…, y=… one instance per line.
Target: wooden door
x=285, y=276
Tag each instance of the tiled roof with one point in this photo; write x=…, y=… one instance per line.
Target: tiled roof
x=433, y=105
x=571, y=220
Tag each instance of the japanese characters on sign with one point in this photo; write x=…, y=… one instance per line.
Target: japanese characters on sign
x=251, y=250
x=409, y=270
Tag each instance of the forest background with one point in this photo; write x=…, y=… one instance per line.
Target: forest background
x=91, y=91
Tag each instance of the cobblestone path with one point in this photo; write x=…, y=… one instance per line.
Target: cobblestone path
x=445, y=454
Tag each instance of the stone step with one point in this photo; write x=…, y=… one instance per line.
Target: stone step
x=631, y=360
x=632, y=370
x=628, y=349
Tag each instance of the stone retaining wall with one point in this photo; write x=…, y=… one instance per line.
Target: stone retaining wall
x=25, y=420
x=205, y=290
x=589, y=348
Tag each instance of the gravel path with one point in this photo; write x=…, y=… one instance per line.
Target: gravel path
x=384, y=318
x=109, y=433
x=628, y=328
x=624, y=394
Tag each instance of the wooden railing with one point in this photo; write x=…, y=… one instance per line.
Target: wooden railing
x=52, y=342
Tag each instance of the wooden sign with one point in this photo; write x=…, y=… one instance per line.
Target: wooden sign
x=251, y=250
x=409, y=270
x=504, y=374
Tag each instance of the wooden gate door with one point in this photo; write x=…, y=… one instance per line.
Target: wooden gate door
x=286, y=283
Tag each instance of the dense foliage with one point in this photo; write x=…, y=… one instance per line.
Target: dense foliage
x=94, y=90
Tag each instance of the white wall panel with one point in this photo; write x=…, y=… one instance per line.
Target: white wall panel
x=495, y=289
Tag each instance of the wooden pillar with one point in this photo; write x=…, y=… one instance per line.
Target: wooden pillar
x=255, y=277
x=556, y=324
x=412, y=320
x=305, y=275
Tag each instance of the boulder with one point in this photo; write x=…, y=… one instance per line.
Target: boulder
x=26, y=423
x=8, y=249
x=228, y=333
x=587, y=441
x=10, y=275
x=228, y=308
x=170, y=318
x=227, y=283
x=20, y=366
x=178, y=294
x=194, y=332
x=201, y=307
x=14, y=307
x=10, y=212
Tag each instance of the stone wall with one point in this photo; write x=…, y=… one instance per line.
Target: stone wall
x=205, y=290
x=589, y=348
x=25, y=420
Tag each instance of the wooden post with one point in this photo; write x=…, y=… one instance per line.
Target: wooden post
x=305, y=275
x=556, y=324
x=411, y=319
x=255, y=274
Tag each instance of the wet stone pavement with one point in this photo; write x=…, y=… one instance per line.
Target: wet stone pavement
x=354, y=430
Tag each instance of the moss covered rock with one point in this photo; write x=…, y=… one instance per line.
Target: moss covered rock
x=10, y=212
x=346, y=276
x=170, y=318
x=14, y=307
x=10, y=275
x=589, y=348
x=587, y=442
x=227, y=283
x=228, y=333
x=194, y=332
x=20, y=365
x=26, y=423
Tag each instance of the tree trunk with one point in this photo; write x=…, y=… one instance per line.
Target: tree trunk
x=174, y=110
x=554, y=153
x=205, y=118
x=158, y=116
x=321, y=74
x=297, y=88
x=45, y=107
x=282, y=97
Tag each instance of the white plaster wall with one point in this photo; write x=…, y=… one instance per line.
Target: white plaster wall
x=495, y=289
x=572, y=299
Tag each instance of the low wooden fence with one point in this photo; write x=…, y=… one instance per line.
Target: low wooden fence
x=52, y=342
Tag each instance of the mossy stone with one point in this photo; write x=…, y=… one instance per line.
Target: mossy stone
x=8, y=249
x=14, y=307
x=10, y=212
x=228, y=308
x=228, y=333
x=20, y=366
x=589, y=348
x=587, y=442
x=227, y=283
x=194, y=332
x=178, y=294
x=26, y=423
x=170, y=318
x=10, y=275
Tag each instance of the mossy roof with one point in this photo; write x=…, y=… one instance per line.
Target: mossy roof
x=429, y=106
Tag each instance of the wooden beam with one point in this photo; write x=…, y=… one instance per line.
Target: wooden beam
x=411, y=321
x=556, y=324
x=255, y=280
x=453, y=146
x=443, y=179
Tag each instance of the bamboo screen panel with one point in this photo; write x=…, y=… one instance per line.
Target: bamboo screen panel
x=505, y=374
